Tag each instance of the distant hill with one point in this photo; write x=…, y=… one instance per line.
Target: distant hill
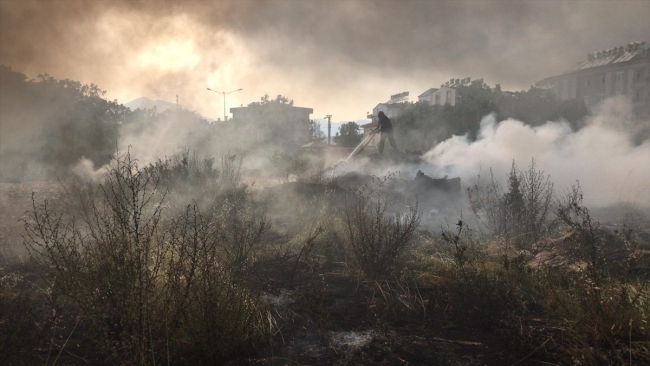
x=146, y=103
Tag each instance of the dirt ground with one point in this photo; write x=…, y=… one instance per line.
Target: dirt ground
x=332, y=319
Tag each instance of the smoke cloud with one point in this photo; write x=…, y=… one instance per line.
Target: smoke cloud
x=340, y=58
x=602, y=156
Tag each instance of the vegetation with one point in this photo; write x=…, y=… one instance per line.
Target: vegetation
x=72, y=120
x=49, y=125
x=150, y=282
x=422, y=125
x=316, y=133
x=519, y=216
x=349, y=134
x=373, y=240
x=176, y=262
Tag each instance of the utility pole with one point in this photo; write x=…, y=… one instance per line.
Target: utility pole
x=329, y=128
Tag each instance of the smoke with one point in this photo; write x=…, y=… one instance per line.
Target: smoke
x=85, y=169
x=602, y=156
x=322, y=54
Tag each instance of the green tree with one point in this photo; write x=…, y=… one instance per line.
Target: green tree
x=349, y=134
x=48, y=125
x=316, y=133
x=420, y=125
x=264, y=100
x=417, y=127
x=284, y=165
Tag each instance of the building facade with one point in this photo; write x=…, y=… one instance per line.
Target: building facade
x=442, y=96
x=273, y=122
x=619, y=71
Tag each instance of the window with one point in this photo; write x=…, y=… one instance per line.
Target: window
x=602, y=80
x=639, y=75
x=637, y=96
x=438, y=98
x=619, y=76
x=601, y=97
x=586, y=99
x=587, y=82
x=448, y=96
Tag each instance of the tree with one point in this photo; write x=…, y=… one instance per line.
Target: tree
x=421, y=125
x=62, y=120
x=316, y=133
x=349, y=134
x=264, y=100
x=417, y=128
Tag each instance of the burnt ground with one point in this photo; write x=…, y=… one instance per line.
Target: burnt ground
x=328, y=319
x=333, y=318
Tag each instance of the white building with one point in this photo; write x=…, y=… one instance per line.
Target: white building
x=442, y=96
x=623, y=71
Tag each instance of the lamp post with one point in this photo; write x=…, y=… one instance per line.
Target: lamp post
x=224, y=99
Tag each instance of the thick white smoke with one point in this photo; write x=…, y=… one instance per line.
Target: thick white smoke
x=602, y=156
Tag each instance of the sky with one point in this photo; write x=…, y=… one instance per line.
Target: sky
x=337, y=57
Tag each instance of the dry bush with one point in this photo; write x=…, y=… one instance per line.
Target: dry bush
x=184, y=171
x=495, y=290
x=398, y=296
x=373, y=239
x=605, y=304
x=143, y=278
x=520, y=215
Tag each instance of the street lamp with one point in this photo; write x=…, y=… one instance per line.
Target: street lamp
x=224, y=99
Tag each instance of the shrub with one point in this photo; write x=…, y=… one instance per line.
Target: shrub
x=142, y=276
x=604, y=304
x=183, y=171
x=520, y=215
x=374, y=239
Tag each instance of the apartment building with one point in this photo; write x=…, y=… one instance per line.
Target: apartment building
x=282, y=123
x=619, y=71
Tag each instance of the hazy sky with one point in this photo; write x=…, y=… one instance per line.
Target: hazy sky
x=338, y=57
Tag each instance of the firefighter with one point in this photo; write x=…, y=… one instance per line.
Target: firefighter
x=386, y=128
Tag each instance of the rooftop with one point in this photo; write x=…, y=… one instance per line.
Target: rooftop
x=431, y=90
x=630, y=52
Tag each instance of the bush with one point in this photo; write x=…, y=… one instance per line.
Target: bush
x=605, y=304
x=374, y=239
x=520, y=215
x=146, y=281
